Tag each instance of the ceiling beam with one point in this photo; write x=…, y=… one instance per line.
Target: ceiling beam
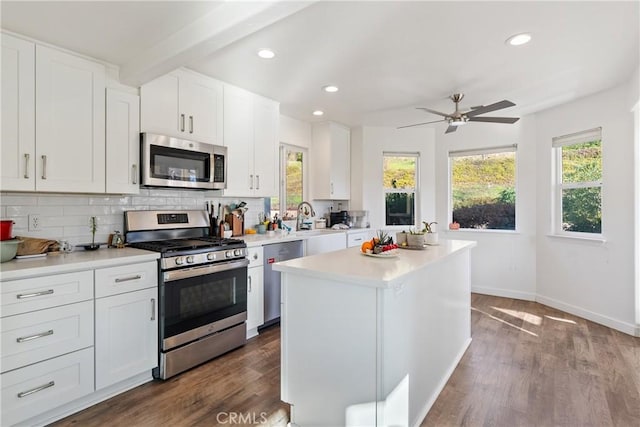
x=225, y=24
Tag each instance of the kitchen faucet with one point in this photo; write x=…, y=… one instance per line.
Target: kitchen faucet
x=304, y=210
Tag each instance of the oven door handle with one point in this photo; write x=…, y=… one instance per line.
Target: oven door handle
x=185, y=273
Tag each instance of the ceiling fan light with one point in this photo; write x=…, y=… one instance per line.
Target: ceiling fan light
x=519, y=39
x=458, y=122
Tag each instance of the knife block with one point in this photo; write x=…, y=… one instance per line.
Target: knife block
x=236, y=224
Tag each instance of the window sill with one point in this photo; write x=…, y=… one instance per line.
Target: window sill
x=483, y=231
x=594, y=239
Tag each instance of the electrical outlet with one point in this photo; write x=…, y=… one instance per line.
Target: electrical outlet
x=34, y=222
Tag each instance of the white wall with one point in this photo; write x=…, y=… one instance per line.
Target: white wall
x=367, y=146
x=591, y=279
x=504, y=262
x=295, y=132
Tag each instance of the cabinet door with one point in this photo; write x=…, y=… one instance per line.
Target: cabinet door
x=238, y=138
x=18, y=115
x=201, y=102
x=255, y=300
x=123, y=142
x=159, y=107
x=340, y=162
x=266, y=114
x=325, y=243
x=126, y=336
x=70, y=123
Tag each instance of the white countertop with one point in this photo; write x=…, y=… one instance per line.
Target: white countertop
x=350, y=266
x=55, y=263
x=253, y=240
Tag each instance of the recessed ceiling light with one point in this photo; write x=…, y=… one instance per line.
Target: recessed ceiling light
x=318, y=113
x=266, y=53
x=330, y=88
x=519, y=39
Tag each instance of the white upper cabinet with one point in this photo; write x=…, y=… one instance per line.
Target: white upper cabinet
x=251, y=138
x=183, y=104
x=70, y=123
x=18, y=114
x=123, y=142
x=330, y=161
x=62, y=147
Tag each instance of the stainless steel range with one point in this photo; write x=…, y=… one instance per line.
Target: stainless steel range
x=202, y=286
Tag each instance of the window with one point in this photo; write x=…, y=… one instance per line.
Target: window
x=578, y=182
x=292, y=172
x=483, y=188
x=400, y=183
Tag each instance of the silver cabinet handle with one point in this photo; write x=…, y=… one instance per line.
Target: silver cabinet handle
x=134, y=172
x=37, y=389
x=251, y=181
x=258, y=182
x=44, y=166
x=181, y=122
x=26, y=165
x=358, y=239
x=190, y=124
x=35, y=337
x=332, y=188
x=35, y=294
x=153, y=309
x=249, y=287
x=128, y=279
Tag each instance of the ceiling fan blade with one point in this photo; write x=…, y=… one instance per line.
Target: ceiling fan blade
x=509, y=120
x=492, y=107
x=433, y=111
x=420, y=124
x=451, y=129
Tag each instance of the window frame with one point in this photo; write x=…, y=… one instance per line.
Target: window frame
x=558, y=185
x=282, y=175
x=478, y=152
x=416, y=189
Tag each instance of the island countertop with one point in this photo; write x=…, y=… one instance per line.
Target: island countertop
x=351, y=266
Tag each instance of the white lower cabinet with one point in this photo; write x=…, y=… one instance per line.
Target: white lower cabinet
x=358, y=238
x=325, y=243
x=36, y=389
x=255, y=291
x=126, y=336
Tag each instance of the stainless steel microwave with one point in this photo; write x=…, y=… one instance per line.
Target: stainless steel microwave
x=178, y=163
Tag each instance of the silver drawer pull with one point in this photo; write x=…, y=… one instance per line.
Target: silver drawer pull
x=44, y=167
x=26, y=165
x=153, y=309
x=128, y=279
x=37, y=389
x=36, y=336
x=35, y=294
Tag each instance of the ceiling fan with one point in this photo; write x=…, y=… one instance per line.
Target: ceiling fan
x=458, y=118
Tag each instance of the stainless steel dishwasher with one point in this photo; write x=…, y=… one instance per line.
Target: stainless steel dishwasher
x=275, y=253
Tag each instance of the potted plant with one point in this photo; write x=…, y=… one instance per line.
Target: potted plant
x=93, y=226
x=431, y=236
x=415, y=238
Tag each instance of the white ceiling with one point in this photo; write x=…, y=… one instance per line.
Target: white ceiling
x=386, y=57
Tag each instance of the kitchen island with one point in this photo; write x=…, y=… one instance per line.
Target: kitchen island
x=372, y=341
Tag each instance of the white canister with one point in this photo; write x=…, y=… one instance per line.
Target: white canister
x=320, y=223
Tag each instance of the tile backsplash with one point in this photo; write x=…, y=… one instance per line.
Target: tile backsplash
x=66, y=216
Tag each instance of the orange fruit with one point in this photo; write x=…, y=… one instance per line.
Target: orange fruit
x=366, y=245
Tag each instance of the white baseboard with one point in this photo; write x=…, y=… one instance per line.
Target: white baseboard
x=443, y=382
x=507, y=293
x=627, y=328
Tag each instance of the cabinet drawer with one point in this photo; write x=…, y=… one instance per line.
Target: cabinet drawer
x=24, y=295
x=357, y=239
x=255, y=256
x=33, y=337
x=126, y=278
x=38, y=388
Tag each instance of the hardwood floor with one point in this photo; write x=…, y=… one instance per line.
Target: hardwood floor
x=528, y=365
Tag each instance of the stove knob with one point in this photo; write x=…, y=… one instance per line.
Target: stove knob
x=190, y=259
x=211, y=256
x=237, y=252
x=228, y=254
x=179, y=261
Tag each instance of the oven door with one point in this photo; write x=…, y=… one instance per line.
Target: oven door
x=172, y=162
x=199, y=301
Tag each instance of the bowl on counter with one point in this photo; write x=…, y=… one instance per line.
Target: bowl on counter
x=8, y=249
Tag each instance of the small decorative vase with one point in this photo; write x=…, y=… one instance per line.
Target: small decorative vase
x=415, y=240
x=431, y=238
x=401, y=238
